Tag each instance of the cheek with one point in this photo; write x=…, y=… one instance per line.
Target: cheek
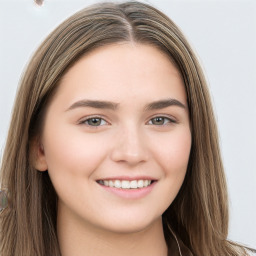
x=174, y=158
x=72, y=152
x=172, y=153
x=174, y=150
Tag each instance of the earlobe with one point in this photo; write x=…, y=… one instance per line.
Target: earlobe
x=38, y=156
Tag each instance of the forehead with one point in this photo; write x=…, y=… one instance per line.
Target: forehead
x=145, y=55
x=123, y=70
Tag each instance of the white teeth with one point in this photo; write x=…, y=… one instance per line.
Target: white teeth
x=111, y=183
x=146, y=183
x=126, y=184
x=140, y=184
x=117, y=184
x=133, y=184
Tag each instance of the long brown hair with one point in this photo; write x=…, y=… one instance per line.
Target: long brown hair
x=198, y=215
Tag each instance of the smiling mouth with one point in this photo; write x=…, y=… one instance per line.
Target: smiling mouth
x=126, y=184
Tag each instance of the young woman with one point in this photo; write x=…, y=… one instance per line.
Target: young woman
x=113, y=147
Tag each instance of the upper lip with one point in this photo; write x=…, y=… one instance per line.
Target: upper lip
x=128, y=178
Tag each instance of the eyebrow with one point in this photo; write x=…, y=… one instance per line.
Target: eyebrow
x=94, y=104
x=164, y=104
x=160, y=104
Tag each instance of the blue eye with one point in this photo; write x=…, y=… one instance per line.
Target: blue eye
x=161, y=120
x=94, y=121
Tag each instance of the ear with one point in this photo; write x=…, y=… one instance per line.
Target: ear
x=37, y=155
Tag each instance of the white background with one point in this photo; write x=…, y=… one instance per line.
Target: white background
x=223, y=33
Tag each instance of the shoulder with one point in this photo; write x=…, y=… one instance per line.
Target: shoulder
x=251, y=252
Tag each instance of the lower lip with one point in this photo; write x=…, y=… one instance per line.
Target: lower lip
x=130, y=193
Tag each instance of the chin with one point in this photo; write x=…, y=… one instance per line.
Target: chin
x=132, y=224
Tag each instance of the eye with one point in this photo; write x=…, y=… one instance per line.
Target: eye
x=94, y=121
x=161, y=120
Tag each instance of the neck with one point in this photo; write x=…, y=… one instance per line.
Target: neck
x=78, y=239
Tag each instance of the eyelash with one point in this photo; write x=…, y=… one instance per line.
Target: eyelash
x=85, y=121
x=167, y=120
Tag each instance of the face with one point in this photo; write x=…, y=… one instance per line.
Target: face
x=116, y=138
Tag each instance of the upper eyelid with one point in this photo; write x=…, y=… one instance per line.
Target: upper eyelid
x=84, y=119
x=165, y=116
x=170, y=122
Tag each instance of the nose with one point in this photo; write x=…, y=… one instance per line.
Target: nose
x=130, y=147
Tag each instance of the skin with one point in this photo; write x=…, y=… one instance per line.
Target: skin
x=127, y=141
